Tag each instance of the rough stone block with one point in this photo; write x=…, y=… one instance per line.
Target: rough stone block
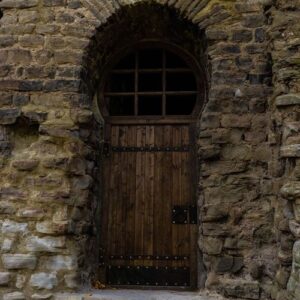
x=296, y=252
x=56, y=228
x=18, y=3
x=215, y=229
x=289, y=99
x=7, y=40
x=291, y=190
x=14, y=295
x=28, y=17
x=241, y=289
x=31, y=212
x=282, y=277
x=216, y=34
x=212, y=246
x=295, y=228
x=42, y=296
x=72, y=280
x=253, y=20
x=212, y=213
x=19, y=261
x=7, y=208
x=9, y=226
x=7, y=245
x=45, y=244
x=62, y=85
x=82, y=182
x=61, y=263
x=242, y=35
x=4, y=278
x=236, y=121
x=20, y=281
x=9, y=115
x=31, y=41
x=25, y=165
x=290, y=151
x=19, y=56
x=43, y=281
x=49, y=3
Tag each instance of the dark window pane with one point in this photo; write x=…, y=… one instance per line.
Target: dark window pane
x=121, y=83
x=182, y=81
x=150, y=59
x=121, y=106
x=128, y=62
x=180, y=105
x=150, y=82
x=173, y=61
x=150, y=105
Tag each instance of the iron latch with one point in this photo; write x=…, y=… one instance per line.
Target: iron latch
x=106, y=149
x=184, y=214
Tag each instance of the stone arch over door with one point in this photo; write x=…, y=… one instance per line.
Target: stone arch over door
x=52, y=78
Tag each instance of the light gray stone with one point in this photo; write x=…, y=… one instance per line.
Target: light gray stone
x=61, y=262
x=296, y=253
x=7, y=245
x=14, y=296
x=41, y=296
x=66, y=296
x=43, y=281
x=289, y=99
x=19, y=261
x=4, y=278
x=20, y=281
x=290, y=151
x=71, y=280
x=291, y=190
x=295, y=228
x=46, y=244
x=9, y=226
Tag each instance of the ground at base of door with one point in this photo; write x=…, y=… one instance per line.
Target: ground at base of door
x=136, y=295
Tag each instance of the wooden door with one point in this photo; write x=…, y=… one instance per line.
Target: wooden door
x=149, y=215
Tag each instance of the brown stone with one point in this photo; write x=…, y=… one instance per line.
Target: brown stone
x=25, y=165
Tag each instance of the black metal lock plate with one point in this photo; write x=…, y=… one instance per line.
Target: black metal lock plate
x=180, y=214
x=106, y=148
x=193, y=214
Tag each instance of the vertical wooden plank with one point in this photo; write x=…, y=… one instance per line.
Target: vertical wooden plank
x=139, y=211
x=131, y=203
x=185, y=192
x=193, y=183
x=104, y=207
x=113, y=192
x=157, y=203
x=176, y=190
x=149, y=194
x=123, y=196
x=166, y=201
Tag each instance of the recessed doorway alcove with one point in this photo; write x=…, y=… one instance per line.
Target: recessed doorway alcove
x=149, y=223
x=151, y=88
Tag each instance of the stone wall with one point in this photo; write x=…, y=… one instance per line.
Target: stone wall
x=50, y=138
x=284, y=46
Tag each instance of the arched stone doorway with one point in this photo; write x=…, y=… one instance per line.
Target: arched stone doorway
x=151, y=100
x=163, y=60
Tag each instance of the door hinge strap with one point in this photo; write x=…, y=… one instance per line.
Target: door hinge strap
x=151, y=149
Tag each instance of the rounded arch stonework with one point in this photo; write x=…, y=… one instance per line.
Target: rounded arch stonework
x=50, y=142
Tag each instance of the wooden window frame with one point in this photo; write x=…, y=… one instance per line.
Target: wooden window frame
x=193, y=66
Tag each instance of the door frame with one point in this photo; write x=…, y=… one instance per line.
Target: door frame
x=190, y=120
x=195, y=254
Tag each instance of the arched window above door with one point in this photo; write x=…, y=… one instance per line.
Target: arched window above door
x=153, y=82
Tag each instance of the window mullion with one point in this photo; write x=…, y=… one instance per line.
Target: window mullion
x=136, y=83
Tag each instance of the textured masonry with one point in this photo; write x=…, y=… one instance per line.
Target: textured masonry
x=51, y=56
